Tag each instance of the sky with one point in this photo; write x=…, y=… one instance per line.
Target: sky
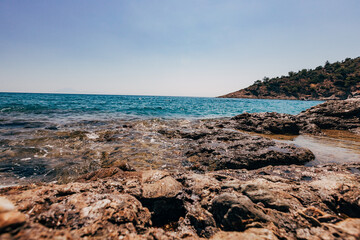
x=168, y=47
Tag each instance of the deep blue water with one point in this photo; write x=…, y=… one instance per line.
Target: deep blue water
x=78, y=106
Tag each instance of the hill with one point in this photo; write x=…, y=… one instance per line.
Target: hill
x=339, y=80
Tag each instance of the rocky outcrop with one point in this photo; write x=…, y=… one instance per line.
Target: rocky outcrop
x=274, y=202
x=230, y=149
x=268, y=123
x=341, y=114
x=344, y=115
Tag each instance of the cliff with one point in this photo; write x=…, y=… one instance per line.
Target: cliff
x=333, y=81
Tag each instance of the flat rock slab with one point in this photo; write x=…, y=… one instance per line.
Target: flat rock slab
x=230, y=149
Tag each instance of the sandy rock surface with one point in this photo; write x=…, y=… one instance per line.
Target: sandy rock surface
x=274, y=202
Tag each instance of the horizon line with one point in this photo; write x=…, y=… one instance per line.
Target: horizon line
x=108, y=94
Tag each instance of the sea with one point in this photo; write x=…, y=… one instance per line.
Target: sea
x=64, y=107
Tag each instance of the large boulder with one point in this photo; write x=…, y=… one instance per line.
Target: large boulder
x=268, y=123
x=230, y=149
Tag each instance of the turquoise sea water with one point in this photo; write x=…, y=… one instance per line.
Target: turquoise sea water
x=78, y=106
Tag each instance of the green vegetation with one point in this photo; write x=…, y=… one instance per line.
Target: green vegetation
x=339, y=80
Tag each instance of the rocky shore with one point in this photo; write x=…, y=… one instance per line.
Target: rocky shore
x=335, y=114
x=282, y=202
x=227, y=184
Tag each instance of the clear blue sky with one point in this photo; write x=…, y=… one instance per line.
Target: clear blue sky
x=169, y=47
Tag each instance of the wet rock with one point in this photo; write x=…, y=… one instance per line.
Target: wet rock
x=121, y=164
x=230, y=149
x=101, y=173
x=268, y=123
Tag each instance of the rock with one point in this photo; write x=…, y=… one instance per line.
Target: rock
x=102, y=173
x=350, y=226
x=9, y=216
x=160, y=198
x=6, y=205
x=340, y=192
x=89, y=212
x=123, y=165
x=11, y=219
x=229, y=149
x=335, y=114
x=284, y=202
x=234, y=212
x=268, y=123
x=259, y=190
x=152, y=176
x=355, y=130
x=167, y=187
x=347, y=229
x=251, y=233
x=340, y=114
x=201, y=220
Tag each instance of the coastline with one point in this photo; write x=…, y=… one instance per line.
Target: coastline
x=229, y=183
x=235, y=95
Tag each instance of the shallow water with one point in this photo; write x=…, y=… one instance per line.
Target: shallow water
x=28, y=155
x=334, y=146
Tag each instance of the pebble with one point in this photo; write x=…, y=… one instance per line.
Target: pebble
x=6, y=205
x=9, y=216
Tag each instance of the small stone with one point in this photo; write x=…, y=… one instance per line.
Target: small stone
x=251, y=233
x=6, y=205
x=11, y=218
x=351, y=226
x=123, y=165
x=167, y=187
x=152, y=176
